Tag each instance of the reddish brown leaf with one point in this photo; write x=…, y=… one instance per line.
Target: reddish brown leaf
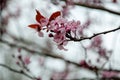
x=34, y=26
x=38, y=16
x=54, y=15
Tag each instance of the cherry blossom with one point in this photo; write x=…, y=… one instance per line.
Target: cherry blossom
x=57, y=27
x=26, y=60
x=109, y=74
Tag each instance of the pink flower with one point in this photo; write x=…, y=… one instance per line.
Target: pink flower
x=57, y=23
x=57, y=27
x=60, y=27
x=96, y=41
x=84, y=64
x=26, y=60
x=61, y=47
x=58, y=38
x=109, y=74
x=72, y=25
x=40, y=34
x=102, y=51
x=43, y=22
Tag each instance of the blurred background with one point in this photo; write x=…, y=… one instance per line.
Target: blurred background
x=26, y=56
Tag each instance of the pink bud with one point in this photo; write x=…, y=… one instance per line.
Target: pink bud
x=26, y=60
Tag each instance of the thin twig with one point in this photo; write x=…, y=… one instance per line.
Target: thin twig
x=94, y=35
x=91, y=68
x=29, y=50
x=51, y=55
x=98, y=7
x=23, y=73
x=85, y=50
x=17, y=71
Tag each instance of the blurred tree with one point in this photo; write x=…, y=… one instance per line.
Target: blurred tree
x=86, y=33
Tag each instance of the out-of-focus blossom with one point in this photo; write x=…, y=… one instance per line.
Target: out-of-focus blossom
x=84, y=64
x=109, y=74
x=26, y=60
x=96, y=41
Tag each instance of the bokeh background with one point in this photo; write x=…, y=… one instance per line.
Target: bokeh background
x=17, y=39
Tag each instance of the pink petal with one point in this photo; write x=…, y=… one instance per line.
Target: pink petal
x=61, y=47
x=44, y=22
x=109, y=74
x=40, y=34
x=27, y=60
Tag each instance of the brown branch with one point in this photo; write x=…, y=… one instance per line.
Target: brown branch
x=94, y=35
x=27, y=49
x=95, y=7
x=17, y=71
x=23, y=73
x=98, y=8
x=102, y=78
x=91, y=68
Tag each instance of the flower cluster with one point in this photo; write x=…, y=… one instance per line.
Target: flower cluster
x=109, y=74
x=97, y=46
x=57, y=27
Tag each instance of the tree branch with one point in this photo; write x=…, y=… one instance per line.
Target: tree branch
x=91, y=68
x=29, y=50
x=95, y=7
x=23, y=73
x=98, y=8
x=94, y=35
x=17, y=71
x=102, y=78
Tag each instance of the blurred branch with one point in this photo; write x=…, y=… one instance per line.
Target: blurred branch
x=95, y=7
x=29, y=50
x=23, y=73
x=94, y=35
x=112, y=78
x=91, y=68
x=98, y=8
x=17, y=71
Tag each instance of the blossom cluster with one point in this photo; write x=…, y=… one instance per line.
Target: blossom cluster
x=97, y=46
x=57, y=27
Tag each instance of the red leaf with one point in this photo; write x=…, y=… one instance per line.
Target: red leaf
x=38, y=16
x=34, y=26
x=54, y=15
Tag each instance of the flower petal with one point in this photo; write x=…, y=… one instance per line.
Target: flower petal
x=27, y=60
x=40, y=34
x=62, y=48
